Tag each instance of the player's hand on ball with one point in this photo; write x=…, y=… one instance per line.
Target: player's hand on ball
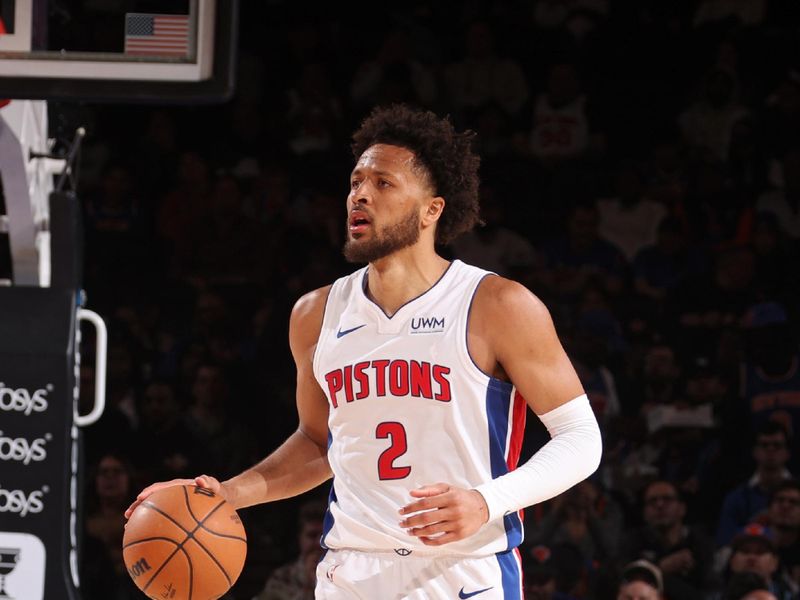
x=203, y=481
x=444, y=514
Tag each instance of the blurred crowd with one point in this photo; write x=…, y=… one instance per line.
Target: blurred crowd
x=640, y=174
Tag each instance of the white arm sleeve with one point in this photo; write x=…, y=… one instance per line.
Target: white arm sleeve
x=571, y=455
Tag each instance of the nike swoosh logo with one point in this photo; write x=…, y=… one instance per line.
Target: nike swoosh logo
x=462, y=594
x=341, y=333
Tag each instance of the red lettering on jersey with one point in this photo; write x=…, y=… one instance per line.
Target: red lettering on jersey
x=398, y=378
x=380, y=376
x=439, y=375
x=363, y=380
x=421, y=379
x=348, y=383
x=335, y=383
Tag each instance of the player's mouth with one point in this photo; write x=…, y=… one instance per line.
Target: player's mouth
x=359, y=222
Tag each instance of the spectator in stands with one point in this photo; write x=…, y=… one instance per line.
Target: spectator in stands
x=783, y=520
x=641, y=580
x=393, y=75
x=581, y=257
x=771, y=454
x=629, y=219
x=784, y=201
x=770, y=383
x=662, y=266
x=585, y=517
x=482, y=76
x=561, y=128
x=707, y=124
x=682, y=552
x=753, y=551
x=296, y=580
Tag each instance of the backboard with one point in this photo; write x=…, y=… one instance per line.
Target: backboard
x=129, y=51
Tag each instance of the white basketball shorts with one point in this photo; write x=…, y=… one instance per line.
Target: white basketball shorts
x=356, y=575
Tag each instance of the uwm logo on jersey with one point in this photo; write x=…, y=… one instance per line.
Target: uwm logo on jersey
x=398, y=378
x=426, y=325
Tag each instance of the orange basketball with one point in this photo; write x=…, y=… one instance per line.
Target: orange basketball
x=184, y=543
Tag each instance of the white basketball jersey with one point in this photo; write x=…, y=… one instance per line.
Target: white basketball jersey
x=409, y=407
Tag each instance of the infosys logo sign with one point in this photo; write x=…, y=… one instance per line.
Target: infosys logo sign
x=18, y=502
x=23, y=450
x=23, y=400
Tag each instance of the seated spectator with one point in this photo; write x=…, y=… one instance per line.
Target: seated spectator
x=753, y=551
x=560, y=118
x=581, y=258
x=585, y=517
x=165, y=448
x=296, y=580
x=708, y=123
x=784, y=202
x=482, y=77
x=770, y=385
x=494, y=246
x=227, y=442
x=660, y=267
x=629, y=220
x=641, y=580
x=545, y=576
x=783, y=520
x=701, y=307
x=747, y=586
x=683, y=553
x=742, y=504
x=105, y=574
x=393, y=75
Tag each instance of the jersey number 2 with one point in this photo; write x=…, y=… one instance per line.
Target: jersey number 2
x=397, y=434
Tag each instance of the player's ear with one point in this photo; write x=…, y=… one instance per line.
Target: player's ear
x=434, y=210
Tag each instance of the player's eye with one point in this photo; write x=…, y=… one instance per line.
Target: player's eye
x=384, y=183
x=354, y=184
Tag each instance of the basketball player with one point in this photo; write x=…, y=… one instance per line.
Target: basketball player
x=411, y=374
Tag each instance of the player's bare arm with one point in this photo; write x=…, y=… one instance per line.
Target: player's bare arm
x=300, y=463
x=512, y=338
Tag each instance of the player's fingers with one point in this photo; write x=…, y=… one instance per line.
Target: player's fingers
x=440, y=540
x=430, y=490
x=131, y=508
x=207, y=482
x=432, y=529
x=424, y=504
x=154, y=487
x=426, y=518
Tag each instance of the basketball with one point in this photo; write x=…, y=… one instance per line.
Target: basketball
x=184, y=543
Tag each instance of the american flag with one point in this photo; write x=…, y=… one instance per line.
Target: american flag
x=157, y=35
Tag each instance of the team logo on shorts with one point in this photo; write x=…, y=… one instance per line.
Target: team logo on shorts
x=402, y=551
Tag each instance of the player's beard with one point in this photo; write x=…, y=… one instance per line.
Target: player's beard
x=390, y=239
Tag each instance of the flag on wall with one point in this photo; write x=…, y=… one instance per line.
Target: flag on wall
x=157, y=35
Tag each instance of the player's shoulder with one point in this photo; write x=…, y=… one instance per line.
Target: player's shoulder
x=306, y=319
x=499, y=299
x=311, y=305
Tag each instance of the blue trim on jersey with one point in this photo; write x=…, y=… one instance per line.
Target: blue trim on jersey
x=365, y=280
x=498, y=407
x=327, y=522
x=511, y=576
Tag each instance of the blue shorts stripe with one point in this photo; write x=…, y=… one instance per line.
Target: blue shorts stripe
x=512, y=576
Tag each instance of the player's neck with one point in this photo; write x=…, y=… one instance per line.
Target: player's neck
x=394, y=280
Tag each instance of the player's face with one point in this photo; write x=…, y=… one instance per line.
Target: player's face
x=387, y=193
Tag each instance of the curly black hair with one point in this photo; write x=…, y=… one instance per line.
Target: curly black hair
x=444, y=155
